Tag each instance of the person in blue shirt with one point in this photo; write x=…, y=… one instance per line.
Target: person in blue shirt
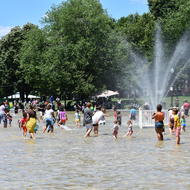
x=51, y=99
x=133, y=113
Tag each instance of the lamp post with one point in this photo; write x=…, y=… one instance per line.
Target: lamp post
x=171, y=90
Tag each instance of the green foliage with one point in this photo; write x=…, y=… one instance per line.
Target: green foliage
x=138, y=31
x=161, y=8
x=85, y=46
x=32, y=58
x=9, y=60
x=81, y=50
x=11, y=75
x=177, y=22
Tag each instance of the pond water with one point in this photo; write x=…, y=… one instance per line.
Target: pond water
x=66, y=160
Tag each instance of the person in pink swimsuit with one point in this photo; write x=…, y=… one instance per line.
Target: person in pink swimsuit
x=62, y=116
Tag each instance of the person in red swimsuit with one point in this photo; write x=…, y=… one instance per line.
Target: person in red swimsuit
x=22, y=124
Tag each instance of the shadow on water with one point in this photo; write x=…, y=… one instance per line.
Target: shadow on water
x=105, y=134
x=30, y=141
x=160, y=144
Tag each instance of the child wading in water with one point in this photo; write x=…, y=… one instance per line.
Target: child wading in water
x=62, y=116
x=115, y=114
x=77, y=118
x=177, y=125
x=31, y=122
x=115, y=129
x=22, y=124
x=159, y=122
x=7, y=118
x=119, y=118
x=49, y=119
x=130, y=129
x=171, y=121
x=183, y=121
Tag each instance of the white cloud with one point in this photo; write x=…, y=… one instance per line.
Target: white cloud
x=4, y=30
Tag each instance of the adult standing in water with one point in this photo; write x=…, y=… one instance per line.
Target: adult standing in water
x=186, y=107
x=2, y=111
x=99, y=115
x=51, y=99
x=31, y=121
x=133, y=113
x=159, y=122
x=87, y=121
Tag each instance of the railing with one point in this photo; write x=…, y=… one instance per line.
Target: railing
x=144, y=117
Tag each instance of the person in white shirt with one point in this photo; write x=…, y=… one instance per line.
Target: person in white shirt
x=115, y=129
x=49, y=119
x=77, y=118
x=96, y=118
x=2, y=112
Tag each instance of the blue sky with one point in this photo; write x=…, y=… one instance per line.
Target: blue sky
x=19, y=12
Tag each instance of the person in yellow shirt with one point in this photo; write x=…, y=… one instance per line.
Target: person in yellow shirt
x=177, y=125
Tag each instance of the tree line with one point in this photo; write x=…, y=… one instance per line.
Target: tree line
x=81, y=50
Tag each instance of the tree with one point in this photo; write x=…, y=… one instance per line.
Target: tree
x=138, y=31
x=81, y=50
x=10, y=73
x=175, y=26
x=9, y=60
x=177, y=22
x=161, y=8
x=32, y=59
x=81, y=33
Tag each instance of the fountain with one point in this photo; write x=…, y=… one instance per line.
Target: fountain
x=155, y=80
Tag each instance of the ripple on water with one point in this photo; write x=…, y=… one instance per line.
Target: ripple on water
x=65, y=160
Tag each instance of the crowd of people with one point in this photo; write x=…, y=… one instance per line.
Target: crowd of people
x=53, y=112
x=93, y=117
x=177, y=120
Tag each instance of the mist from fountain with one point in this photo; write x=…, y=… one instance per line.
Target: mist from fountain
x=156, y=79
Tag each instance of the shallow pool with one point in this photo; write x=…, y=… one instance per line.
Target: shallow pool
x=65, y=160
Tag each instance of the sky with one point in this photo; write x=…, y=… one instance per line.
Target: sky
x=19, y=12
